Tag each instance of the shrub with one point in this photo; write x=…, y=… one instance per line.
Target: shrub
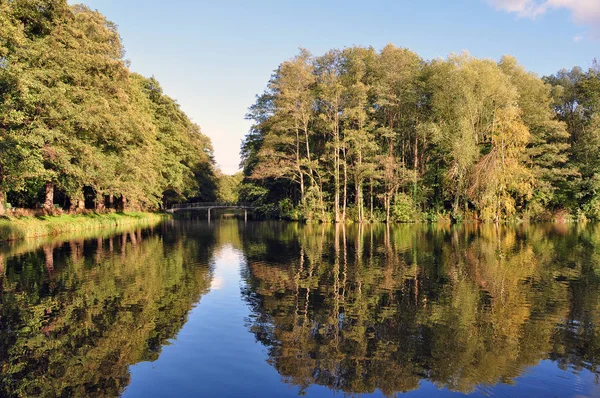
x=403, y=209
x=352, y=213
x=287, y=211
x=592, y=209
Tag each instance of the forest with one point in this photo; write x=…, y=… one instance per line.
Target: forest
x=353, y=135
x=364, y=135
x=78, y=129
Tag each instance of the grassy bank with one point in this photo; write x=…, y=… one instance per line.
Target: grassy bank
x=32, y=227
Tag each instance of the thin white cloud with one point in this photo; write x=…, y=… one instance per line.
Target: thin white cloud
x=523, y=8
x=578, y=38
x=583, y=12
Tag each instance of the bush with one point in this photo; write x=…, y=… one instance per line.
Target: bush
x=403, y=209
x=269, y=210
x=436, y=217
x=287, y=211
x=592, y=209
x=378, y=215
x=352, y=213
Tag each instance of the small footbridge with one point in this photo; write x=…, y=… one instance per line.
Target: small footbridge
x=208, y=206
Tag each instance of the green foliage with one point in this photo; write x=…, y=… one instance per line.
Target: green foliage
x=591, y=210
x=576, y=100
x=287, y=210
x=72, y=115
x=258, y=197
x=229, y=188
x=403, y=209
x=345, y=132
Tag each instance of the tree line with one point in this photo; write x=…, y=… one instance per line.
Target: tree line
x=365, y=135
x=78, y=129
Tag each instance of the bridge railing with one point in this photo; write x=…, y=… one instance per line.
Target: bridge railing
x=208, y=204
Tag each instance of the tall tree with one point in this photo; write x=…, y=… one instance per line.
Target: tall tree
x=548, y=147
x=457, y=137
x=72, y=116
x=330, y=103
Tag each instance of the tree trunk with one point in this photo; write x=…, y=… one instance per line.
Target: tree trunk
x=387, y=207
x=77, y=202
x=322, y=200
x=75, y=248
x=312, y=172
x=100, y=206
x=123, y=243
x=416, y=166
x=49, y=200
x=357, y=200
x=133, y=238
x=336, y=144
x=99, y=247
x=371, y=193
x=337, y=179
x=2, y=196
x=344, y=205
x=299, y=168
x=302, y=195
x=111, y=201
x=2, y=205
x=49, y=257
x=358, y=185
x=308, y=157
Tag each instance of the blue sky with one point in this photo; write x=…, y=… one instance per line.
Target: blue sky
x=215, y=56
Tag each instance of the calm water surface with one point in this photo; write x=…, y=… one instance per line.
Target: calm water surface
x=275, y=310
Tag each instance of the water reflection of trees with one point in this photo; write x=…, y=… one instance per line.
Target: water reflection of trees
x=365, y=308
x=75, y=315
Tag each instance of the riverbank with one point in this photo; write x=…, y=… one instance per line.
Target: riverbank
x=16, y=228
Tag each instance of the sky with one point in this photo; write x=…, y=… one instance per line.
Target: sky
x=215, y=56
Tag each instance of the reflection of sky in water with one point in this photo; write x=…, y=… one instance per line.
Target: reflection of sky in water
x=215, y=344
x=217, y=283
x=213, y=354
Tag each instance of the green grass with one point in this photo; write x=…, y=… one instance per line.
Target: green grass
x=15, y=228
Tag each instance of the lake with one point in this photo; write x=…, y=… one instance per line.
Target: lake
x=279, y=310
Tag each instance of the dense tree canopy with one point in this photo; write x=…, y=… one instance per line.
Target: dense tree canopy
x=365, y=135
x=228, y=187
x=74, y=120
